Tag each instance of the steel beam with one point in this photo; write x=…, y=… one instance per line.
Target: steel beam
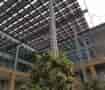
x=10, y=57
x=16, y=41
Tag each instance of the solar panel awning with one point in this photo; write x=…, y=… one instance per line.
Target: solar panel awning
x=28, y=22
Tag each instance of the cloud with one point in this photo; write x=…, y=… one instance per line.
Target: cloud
x=96, y=11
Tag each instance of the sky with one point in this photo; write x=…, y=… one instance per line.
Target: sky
x=96, y=11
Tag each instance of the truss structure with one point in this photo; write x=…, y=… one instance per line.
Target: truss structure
x=27, y=23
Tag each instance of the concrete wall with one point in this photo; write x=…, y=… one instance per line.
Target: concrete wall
x=99, y=37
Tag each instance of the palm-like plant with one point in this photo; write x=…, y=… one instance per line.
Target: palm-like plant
x=50, y=73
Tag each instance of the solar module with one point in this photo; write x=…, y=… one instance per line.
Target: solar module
x=28, y=22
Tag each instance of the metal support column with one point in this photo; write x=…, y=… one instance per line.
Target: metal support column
x=16, y=58
x=87, y=49
x=13, y=76
x=78, y=49
x=53, y=34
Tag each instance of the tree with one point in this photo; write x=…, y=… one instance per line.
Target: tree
x=50, y=73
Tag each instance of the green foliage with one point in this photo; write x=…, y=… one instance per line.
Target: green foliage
x=51, y=73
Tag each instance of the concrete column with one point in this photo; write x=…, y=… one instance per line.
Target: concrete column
x=93, y=72
x=12, y=81
x=53, y=34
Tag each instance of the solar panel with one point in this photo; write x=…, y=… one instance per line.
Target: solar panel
x=28, y=22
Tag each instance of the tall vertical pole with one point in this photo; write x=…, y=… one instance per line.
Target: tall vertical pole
x=16, y=58
x=53, y=34
x=13, y=74
x=78, y=49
